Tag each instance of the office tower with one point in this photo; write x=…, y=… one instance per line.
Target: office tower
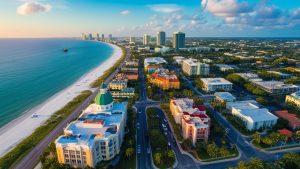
x=178, y=40
x=160, y=38
x=146, y=39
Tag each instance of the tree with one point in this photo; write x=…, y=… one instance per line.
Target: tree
x=223, y=152
x=255, y=163
x=256, y=137
x=187, y=93
x=291, y=160
x=198, y=101
x=212, y=150
x=157, y=158
x=170, y=154
x=129, y=152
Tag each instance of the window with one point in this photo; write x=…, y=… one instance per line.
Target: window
x=67, y=160
x=79, y=161
x=73, y=161
x=66, y=155
x=72, y=156
x=77, y=152
x=78, y=156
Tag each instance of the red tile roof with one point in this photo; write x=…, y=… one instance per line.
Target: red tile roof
x=285, y=132
x=294, y=121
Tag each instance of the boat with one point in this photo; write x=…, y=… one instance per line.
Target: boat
x=66, y=49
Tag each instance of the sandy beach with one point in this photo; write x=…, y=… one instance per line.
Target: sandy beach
x=18, y=129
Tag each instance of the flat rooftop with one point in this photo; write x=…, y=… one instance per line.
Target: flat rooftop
x=296, y=95
x=215, y=81
x=275, y=84
x=225, y=95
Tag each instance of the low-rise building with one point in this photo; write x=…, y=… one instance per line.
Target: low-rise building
x=164, y=79
x=129, y=69
x=254, y=117
x=193, y=67
x=128, y=75
x=294, y=121
x=118, y=84
x=249, y=76
x=132, y=63
x=293, y=99
x=215, y=84
x=224, y=97
x=179, y=59
x=153, y=63
x=276, y=87
x=193, y=119
x=282, y=75
x=123, y=93
x=96, y=136
x=224, y=67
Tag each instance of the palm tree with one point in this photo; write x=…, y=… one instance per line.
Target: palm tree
x=256, y=137
x=256, y=163
x=157, y=158
x=223, y=152
x=129, y=152
x=170, y=154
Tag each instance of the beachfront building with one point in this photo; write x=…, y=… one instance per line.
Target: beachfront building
x=215, y=84
x=132, y=63
x=118, y=84
x=193, y=119
x=276, y=87
x=193, y=67
x=178, y=40
x=224, y=97
x=254, y=117
x=152, y=64
x=96, y=136
x=293, y=99
x=123, y=93
x=146, y=39
x=160, y=38
x=294, y=121
x=164, y=79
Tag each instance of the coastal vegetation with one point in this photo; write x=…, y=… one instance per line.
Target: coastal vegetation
x=162, y=154
x=24, y=147
x=109, y=71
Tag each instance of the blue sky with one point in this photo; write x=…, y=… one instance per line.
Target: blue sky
x=204, y=18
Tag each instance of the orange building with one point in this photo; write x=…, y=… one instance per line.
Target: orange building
x=165, y=80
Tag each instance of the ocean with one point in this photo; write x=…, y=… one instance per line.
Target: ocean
x=32, y=70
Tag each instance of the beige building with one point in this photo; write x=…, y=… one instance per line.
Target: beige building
x=96, y=136
x=293, y=99
x=193, y=67
x=118, y=84
x=214, y=84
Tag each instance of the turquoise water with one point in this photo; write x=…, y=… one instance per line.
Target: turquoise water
x=32, y=70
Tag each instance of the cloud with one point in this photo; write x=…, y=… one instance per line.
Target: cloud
x=30, y=8
x=125, y=12
x=165, y=8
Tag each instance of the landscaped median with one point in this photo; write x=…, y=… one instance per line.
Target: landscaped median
x=25, y=146
x=162, y=155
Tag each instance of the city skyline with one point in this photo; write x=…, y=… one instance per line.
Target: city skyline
x=213, y=18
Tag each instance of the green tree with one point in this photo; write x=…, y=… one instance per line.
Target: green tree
x=223, y=152
x=187, y=93
x=256, y=137
x=255, y=163
x=157, y=158
x=170, y=154
x=212, y=150
x=291, y=160
x=129, y=152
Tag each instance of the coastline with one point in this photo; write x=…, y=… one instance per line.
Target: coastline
x=18, y=129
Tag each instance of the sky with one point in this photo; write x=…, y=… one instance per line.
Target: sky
x=123, y=18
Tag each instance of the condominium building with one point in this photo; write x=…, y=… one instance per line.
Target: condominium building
x=160, y=38
x=215, y=84
x=293, y=99
x=193, y=67
x=249, y=76
x=276, y=87
x=118, y=84
x=249, y=112
x=178, y=40
x=96, y=136
x=146, y=39
x=193, y=119
x=133, y=63
x=123, y=93
x=164, y=79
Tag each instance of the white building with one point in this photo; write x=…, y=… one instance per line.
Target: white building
x=118, y=84
x=179, y=59
x=249, y=76
x=96, y=136
x=146, y=39
x=193, y=67
x=224, y=67
x=214, y=84
x=276, y=87
x=254, y=117
x=224, y=96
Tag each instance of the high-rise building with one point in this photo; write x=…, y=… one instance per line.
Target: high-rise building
x=146, y=39
x=132, y=40
x=83, y=36
x=160, y=38
x=178, y=40
x=102, y=37
x=110, y=36
x=90, y=36
x=97, y=37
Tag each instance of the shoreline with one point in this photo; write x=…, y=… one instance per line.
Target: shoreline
x=16, y=130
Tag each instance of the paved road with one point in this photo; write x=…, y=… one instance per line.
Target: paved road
x=29, y=161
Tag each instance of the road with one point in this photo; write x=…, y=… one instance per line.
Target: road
x=30, y=160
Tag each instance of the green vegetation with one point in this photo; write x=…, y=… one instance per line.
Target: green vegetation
x=295, y=80
x=288, y=161
x=24, y=147
x=107, y=73
x=269, y=75
x=238, y=124
x=163, y=156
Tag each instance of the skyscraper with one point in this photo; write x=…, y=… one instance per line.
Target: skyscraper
x=102, y=37
x=97, y=37
x=160, y=38
x=146, y=39
x=178, y=40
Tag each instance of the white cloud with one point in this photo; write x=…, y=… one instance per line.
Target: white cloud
x=165, y=8
x=30, y=8
x=125, y=12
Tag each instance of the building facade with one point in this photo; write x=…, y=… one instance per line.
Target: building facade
x=160, y=38
x=193, y=67
x=118, y=84
x=146, y=39
x=215, y=84
x=293, y=99
x=178, y=40
x=97, y=134
x=164, y=79
x=276, y=87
